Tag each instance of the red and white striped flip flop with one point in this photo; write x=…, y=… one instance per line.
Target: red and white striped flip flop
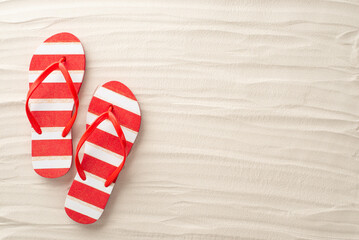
x=56, y=72
x=113, y=122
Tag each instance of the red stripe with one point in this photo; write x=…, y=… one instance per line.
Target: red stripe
x=52, y=172
x=63, y=37
x=54, y=90
x=52, y=118
x=41, y=62
x=78, y=217
x=124, y=117
x=108, y=141
x=88, y=194
x=97, y=167
x=120, y=89
x=62, y=147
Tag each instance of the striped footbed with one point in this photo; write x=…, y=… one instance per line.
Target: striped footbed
x=52, y=103
x=87, y=199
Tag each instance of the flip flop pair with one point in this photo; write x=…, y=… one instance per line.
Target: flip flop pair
x=113, y=121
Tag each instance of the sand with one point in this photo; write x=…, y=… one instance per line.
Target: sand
x=249, y=118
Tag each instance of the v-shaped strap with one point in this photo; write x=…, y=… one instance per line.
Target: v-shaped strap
x=110, y=116
x=54, y=66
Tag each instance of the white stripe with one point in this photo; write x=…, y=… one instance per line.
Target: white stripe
x=118, y=100
x=52, y=105
x=46, y=164
x=40, y=158
x=107, y=126
x=49, y=133
x=103, y=154
x=59, y=48
x=57, y=77
x=83, y=208
x=94, y=182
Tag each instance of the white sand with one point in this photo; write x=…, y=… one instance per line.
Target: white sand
x=250, y=118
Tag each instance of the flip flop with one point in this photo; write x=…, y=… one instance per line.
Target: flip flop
x=56, y=72
x=113, y=121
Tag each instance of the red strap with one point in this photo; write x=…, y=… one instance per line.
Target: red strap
x=110, y=116
x=54, y=66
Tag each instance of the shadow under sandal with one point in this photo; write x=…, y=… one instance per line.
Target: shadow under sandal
x=113, y=121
